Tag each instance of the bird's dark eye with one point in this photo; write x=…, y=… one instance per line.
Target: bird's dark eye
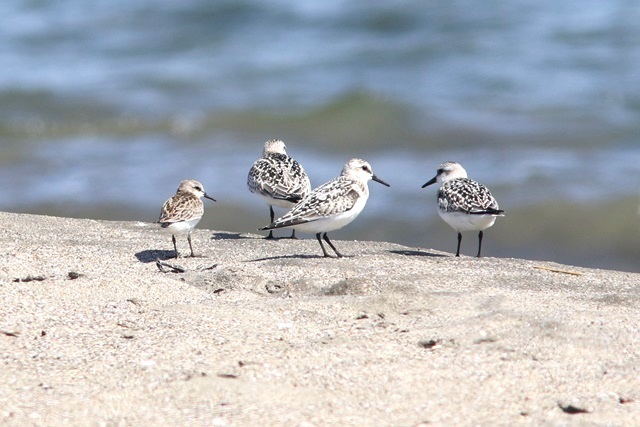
x=365, y=168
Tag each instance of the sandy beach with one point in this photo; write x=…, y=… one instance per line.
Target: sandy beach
x=259, y=333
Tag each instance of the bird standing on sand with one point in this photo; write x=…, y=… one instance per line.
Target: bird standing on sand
x=278, y=179
x=463, y=203
x=182, y=212
x=332, y=205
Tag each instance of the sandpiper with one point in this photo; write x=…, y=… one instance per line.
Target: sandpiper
x=463, y=203
x=332, y=205
x=278, y=179
x=182, y=212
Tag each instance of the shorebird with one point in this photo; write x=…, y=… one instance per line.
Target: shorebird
x=182, y=212
x=278, y=179
x=332, y=205
x=463, y=203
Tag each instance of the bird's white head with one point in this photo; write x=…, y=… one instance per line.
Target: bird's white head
x=274, y=146
x=446, y=172
x=360, y=170
x=450, y=170
x=193, y=187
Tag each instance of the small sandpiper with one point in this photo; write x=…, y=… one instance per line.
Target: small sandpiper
x=278, y=179
x=332, y=205
x=463, y=203
x=182, y=212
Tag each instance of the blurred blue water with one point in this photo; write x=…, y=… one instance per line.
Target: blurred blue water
x=117, y=101
x=526, y=60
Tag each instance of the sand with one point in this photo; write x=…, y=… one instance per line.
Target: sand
x=260, y=332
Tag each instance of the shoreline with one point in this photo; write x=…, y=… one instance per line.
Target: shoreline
x=270, y=333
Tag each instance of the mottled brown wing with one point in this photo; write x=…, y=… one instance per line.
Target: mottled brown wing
x=181, y=207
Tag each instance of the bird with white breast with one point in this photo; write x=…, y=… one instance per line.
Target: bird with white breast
x=331, y=206
x=463, y=203
x=182, y=212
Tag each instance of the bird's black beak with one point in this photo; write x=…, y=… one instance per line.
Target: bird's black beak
x=376, y=179
x=431, y=181
x=209, y=197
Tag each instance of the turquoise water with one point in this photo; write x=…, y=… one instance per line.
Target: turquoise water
x=105, y=106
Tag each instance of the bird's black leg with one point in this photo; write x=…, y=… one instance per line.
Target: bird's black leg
x=293, y=235
x=326, y=255
x=273, y=215
x=190, y=247
x=326, y=238
x=459, y=241
x=480, y=235
x=175, y=247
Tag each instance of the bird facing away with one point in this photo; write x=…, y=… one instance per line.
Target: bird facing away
x=463, y=203
x=332, y=205
x=182, y=212
x=278, y=179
